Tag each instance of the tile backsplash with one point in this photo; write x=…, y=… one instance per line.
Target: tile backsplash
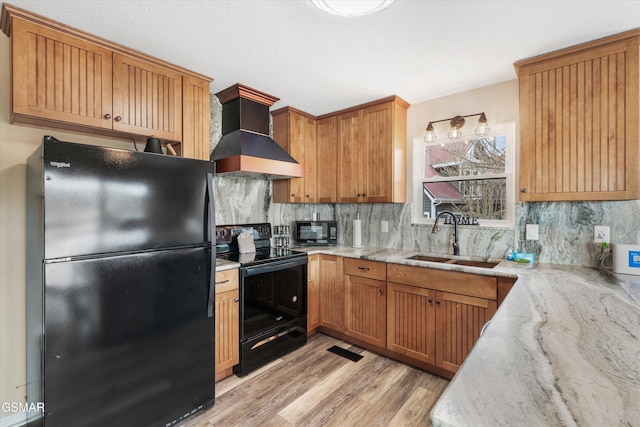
x=565, y=228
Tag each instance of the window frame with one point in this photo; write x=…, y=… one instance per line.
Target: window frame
x=508, y=130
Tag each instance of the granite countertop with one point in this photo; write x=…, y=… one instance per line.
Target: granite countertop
x=563, y=349
x=223, y=264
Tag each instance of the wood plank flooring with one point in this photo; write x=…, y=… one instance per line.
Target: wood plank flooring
x=314, y=387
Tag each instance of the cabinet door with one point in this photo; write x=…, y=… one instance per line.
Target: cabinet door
x=459, y=320
x=365, y=309
x=59, y=77
x=411, y=322
x=326, y=160
x=310, y=156
x=296, y=134
x=377, y=153
x=313, y=293
x=195, y=129
x=331, y=292
x=227, y=331
x=350, y=189
x=579, y=125
x=147, y=99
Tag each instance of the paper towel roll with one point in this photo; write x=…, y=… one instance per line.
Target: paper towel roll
x=357, y=233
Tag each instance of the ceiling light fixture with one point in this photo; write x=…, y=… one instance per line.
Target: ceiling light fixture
x=351, y=7
x=457, y=123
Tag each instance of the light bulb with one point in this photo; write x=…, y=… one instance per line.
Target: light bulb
x=430, y=135
x=455, y=133
x=483, y=128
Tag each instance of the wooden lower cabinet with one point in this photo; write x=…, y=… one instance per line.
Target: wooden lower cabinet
x=313, y=293
x=411, y=326
x=429, y=318
x=227, y=323
x=435, y=327
x=331, y=292
x=365, y=309
x=459, y=321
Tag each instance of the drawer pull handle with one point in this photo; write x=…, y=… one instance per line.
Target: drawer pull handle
x=223, y=282
x=363, y=268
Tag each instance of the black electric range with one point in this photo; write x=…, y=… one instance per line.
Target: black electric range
x=227, y=245
x=273, y=295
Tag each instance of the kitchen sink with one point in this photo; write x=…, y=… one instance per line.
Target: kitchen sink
x=466, y=262
x=429, y=258
x=470, y=263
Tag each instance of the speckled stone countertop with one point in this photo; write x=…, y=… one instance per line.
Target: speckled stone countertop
x=223, y=264
x=562, y=350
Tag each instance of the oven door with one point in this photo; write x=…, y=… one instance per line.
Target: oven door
x=273, y=311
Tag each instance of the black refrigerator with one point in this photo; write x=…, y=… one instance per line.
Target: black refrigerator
x=120, y=286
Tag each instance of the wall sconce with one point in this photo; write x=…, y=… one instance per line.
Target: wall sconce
x=457, y=123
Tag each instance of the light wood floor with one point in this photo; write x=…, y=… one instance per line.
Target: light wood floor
x=314, y=387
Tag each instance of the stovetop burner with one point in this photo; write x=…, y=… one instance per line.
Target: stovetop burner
x=227, y=245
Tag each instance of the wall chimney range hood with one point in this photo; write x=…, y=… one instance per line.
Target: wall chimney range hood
x=245, y=148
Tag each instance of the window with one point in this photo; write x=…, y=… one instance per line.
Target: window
x=471, y=177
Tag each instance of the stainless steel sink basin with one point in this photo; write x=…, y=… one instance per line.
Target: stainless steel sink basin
x=429, y=258
x=467, y=262
x=470, y=263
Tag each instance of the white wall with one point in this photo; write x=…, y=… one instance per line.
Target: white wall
x=499, y=102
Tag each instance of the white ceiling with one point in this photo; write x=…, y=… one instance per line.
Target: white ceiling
x=318, y=63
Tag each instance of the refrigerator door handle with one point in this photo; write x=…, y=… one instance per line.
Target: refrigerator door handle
x=211, y=227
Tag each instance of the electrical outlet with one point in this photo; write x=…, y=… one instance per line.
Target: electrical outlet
x=532, y=231
x=601, y=234
x=385, y=226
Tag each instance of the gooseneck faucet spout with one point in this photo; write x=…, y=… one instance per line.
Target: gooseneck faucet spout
x=456, y=248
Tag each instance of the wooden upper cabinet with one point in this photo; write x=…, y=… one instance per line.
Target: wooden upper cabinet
x=385, y=138
x=580, y=122
x=295, y=131
x=356, y=155
x=372, y=152
x=326, y=159
x=350, y=162
x=195, y=125
x=59, y=77
x=65, y=78
x=147, y=99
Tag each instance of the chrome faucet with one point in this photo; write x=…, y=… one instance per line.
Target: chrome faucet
x=456, y=248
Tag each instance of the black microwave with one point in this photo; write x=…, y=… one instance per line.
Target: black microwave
x=318, y=233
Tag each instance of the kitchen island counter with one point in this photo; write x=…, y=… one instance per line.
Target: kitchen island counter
x=563, y=349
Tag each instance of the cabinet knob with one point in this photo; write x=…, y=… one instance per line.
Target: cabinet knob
x=523, y=190
x=236, y=300
x=430, y=300
x=437, y=301
x=293, y=195
x=107, y=116
x=381, y=291
x=364, y=195
x=118, y=118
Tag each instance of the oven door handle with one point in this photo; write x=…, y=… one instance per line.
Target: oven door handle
x=273, y=337
x=273, y=266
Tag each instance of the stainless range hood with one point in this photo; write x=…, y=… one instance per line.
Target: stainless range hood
x=245, y=148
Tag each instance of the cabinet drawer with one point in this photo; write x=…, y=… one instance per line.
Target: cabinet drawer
x=474, y=285
x=226, y=280
x=363, y=268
